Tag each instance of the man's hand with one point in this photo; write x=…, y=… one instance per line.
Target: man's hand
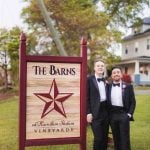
x=129, y=115
x=89, y=118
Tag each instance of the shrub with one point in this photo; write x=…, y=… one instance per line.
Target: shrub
x=126, y=78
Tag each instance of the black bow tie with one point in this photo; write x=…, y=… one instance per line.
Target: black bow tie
x=116, y=84
x=100, y=79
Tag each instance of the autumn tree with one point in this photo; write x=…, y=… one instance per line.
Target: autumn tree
x=9, y=50
x=74, y=18
x=4, y=61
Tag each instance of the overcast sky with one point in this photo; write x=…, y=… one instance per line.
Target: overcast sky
x=10, y=11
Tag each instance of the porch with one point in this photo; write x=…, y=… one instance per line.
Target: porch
x=138, y=68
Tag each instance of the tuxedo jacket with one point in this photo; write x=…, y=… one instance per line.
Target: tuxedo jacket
x=93, y=96
x=128, y=98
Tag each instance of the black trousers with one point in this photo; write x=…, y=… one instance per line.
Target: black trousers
x=120, y=126
x=100, y=127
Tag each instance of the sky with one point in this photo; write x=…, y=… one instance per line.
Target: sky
x=10, y=11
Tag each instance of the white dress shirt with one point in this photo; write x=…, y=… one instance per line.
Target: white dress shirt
x=116, y=95
x=102, y=90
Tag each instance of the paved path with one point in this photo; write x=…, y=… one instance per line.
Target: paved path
x=139, y=92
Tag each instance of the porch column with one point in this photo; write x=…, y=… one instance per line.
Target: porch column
x=137, y=68
x=136, y=73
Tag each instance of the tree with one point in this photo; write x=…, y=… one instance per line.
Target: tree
x=10, y=40
x=13, y=53
x=9, y=48
x=3, y=55
x=124, y=12
x=78, y=18
x=53, y=31
x=74, y=18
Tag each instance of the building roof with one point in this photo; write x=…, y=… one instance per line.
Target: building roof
x=138, y=35
x=145, y=59
x=146, y=21
x=138, y=58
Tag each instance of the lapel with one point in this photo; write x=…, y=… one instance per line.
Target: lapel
x=123, y=86
x=95, y=82
x=109, y=93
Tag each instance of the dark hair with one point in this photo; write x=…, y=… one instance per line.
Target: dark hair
x=116, y=67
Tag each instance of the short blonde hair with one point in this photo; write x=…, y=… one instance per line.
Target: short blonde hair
x=101, y=60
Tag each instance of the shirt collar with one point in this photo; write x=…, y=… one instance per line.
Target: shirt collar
x=96, y=76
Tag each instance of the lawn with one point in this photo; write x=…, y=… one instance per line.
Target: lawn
x=140, y=128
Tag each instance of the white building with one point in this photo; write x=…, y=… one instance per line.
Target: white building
x=136, y=54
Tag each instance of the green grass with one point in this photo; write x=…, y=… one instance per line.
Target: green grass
x=9, y=124
x=140, y=128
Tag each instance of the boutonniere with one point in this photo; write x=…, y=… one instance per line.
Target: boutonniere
x=106, y=82
x=123, y=86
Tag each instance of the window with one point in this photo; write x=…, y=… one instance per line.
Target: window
x=148, y=44
x=126, y=49
x=126, y=70
x=145, y=72
x=144, y=69
x=136, y=49
x=136, y=46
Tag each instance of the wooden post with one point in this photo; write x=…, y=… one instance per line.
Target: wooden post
x=83, y=96
x=22, y=93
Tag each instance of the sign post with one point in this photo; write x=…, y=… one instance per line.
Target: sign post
x=52, y=99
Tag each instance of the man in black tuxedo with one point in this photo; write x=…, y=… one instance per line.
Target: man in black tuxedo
x=97, y=113
x=122, y=103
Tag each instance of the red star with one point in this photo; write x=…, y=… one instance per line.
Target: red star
x=53, y=100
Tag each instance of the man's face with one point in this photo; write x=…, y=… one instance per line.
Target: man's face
x=99, y=68
x=116, y=74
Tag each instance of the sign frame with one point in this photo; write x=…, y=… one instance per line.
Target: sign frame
x=24, y=59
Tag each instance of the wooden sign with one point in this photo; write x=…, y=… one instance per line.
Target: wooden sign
x=52, y=99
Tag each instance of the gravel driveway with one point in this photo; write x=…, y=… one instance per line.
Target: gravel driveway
x=139, y=92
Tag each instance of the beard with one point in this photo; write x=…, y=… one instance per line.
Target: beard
x=117, y=78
